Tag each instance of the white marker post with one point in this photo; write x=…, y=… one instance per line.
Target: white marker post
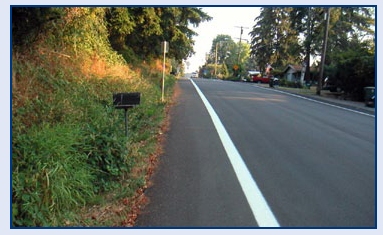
x=165, y=49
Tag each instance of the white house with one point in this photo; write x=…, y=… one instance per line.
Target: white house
x=293, y=73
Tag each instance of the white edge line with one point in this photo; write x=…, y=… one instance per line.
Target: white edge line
x=317, y=101
x=261, y=211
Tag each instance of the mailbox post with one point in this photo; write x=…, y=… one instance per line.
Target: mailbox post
x=126, y=101
x=165, y=49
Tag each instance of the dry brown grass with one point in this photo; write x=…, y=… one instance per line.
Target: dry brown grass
x=99, y=68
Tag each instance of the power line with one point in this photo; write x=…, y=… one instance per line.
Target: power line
x=240, y=36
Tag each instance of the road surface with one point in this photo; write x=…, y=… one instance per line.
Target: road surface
x=247, y=156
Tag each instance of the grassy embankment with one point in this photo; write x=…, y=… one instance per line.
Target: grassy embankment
x=72, y=164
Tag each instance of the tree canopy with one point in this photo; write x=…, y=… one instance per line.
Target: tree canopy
x=284, y=35
x=142, y=29
x=137, y=30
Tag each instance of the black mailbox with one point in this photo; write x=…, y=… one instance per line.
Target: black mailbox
x=126, y=100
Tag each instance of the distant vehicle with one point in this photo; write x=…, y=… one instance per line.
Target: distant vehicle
x=250, y=74
x=261, y=79
x=194, y=75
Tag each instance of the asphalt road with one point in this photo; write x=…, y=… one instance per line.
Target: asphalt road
x=313, y=164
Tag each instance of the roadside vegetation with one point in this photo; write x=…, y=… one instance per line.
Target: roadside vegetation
x=72, y=164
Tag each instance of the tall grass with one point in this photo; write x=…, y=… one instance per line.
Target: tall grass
x=69, y=149
x=49, y=175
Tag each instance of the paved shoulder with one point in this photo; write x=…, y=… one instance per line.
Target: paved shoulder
x=195, y=185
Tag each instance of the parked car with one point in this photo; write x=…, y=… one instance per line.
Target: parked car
x=261, y=79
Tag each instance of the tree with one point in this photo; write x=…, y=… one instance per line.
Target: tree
x=345, y=23
x=186, y=18
x=221, y=45
x=273, y=41
x=29, y=22
x=353, y=69
x=144, y=28
x=286, y=45
x=120, y=24
x=242, y=54
x=262, y=37
x=231, y=57
x=304, y=21
x=351, y=58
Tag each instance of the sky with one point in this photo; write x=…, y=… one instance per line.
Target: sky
x=226, y=20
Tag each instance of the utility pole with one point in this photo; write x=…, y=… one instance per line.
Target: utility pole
x=239, y=47
x=216, y=58
x=165, y=49
x=216, y=54
x=308, y=45
x=240, y=41
x=324, y=48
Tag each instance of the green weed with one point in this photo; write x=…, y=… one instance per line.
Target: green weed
x=49, y=175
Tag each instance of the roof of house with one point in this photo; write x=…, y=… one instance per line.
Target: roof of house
x=297, y=68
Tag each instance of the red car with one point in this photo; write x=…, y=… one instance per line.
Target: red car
x=261, y=79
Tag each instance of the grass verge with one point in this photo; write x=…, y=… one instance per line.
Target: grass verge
x=72, y=164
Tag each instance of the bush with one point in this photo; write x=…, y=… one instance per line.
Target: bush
x=293, y=84
x=104, y=144
x=130, y=56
